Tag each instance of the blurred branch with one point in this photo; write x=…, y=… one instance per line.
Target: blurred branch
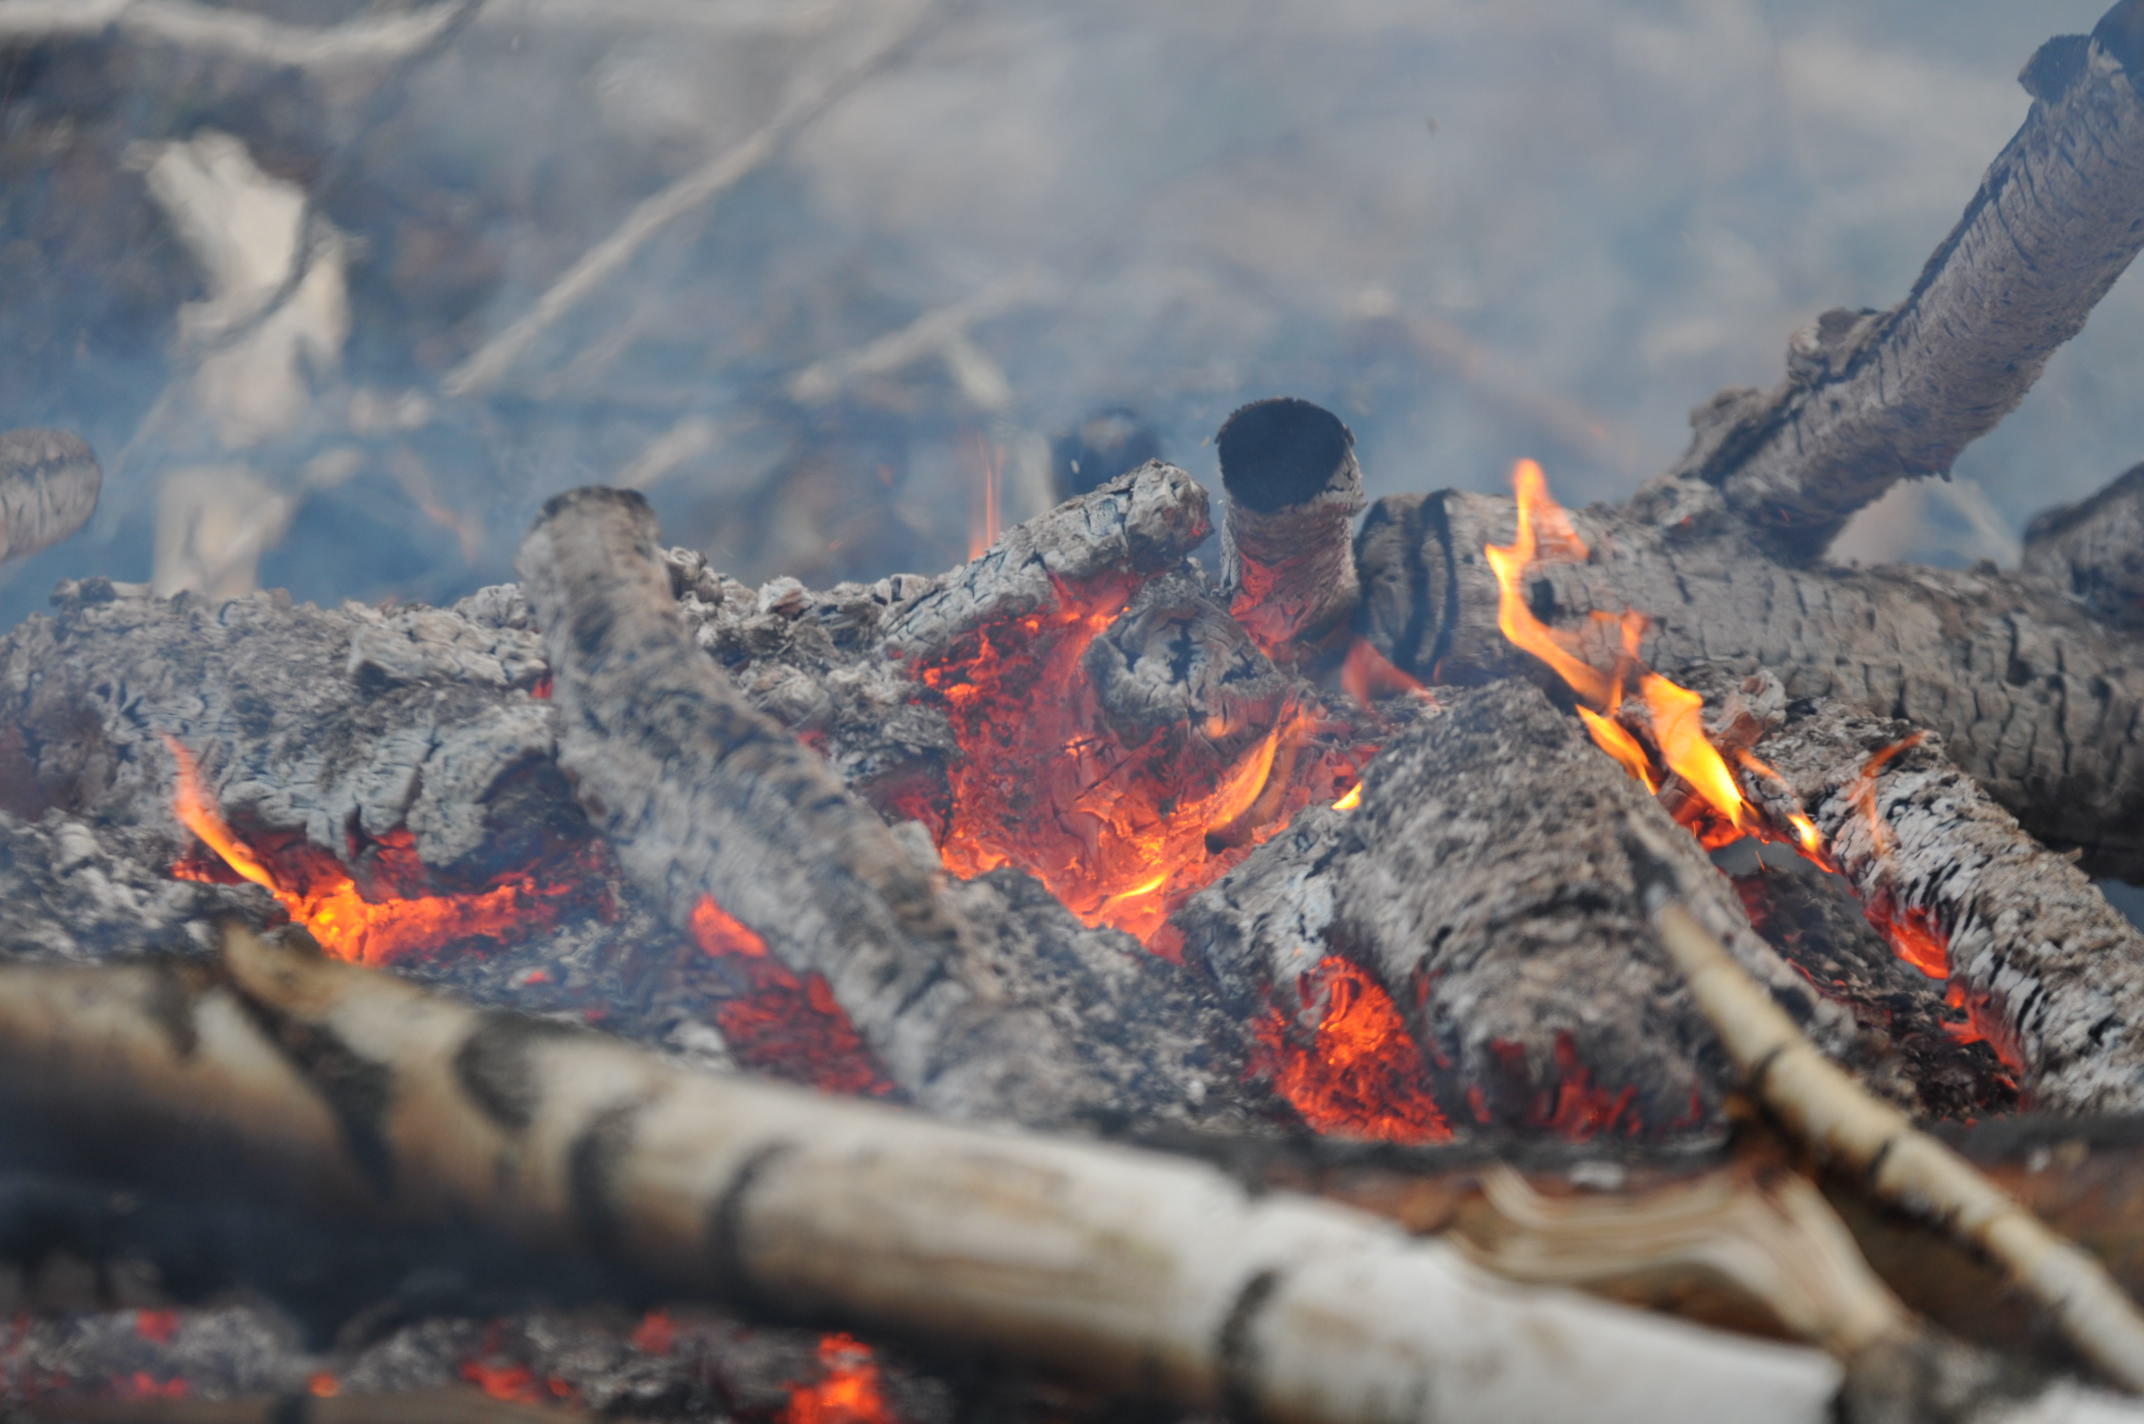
x=687, y=195
x=937, y=332
x=182, y=22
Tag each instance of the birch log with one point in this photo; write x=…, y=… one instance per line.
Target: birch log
x=1134, y=1271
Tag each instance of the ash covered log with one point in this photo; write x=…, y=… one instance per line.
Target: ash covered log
x=717, y=811
x=1294, y=490
x=2029, y=943
x=2094, y=551
x=1483, y=881
x=285, y=1073
x=2033, y=697
x=1873, y=397
x=49, y=482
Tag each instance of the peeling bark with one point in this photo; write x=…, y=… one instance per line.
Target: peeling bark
x=2094, y=551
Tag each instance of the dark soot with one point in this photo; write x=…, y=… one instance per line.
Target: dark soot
x=1275, y=453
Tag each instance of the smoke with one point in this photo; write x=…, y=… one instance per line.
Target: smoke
x=1477, y=230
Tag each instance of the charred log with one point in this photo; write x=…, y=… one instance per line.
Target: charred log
x=718, y=811
x=1873, y=397
x=2035, y=953
x=1294, y=490
x=1482, y=880
x=2035, y=699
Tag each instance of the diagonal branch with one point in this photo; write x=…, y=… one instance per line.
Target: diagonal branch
x=1872, y=398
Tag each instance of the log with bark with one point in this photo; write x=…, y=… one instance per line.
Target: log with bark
x=331, y=1083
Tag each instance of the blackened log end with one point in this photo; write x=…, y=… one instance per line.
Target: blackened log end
x=1280, y=452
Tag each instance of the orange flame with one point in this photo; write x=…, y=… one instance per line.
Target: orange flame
x=321, y=895
x=983, y=514
x=1349, y=799
x=784, y=1025
x=1361, y=1074
x=1545, y=533
x=1119, y=834
x=1367, y=674
x=847, y=1392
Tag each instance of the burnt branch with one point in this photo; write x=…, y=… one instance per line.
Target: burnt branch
x=1874, y=397
x=718, y=811
x=2034, y=698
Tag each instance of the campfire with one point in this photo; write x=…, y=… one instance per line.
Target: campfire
x=1455, y=956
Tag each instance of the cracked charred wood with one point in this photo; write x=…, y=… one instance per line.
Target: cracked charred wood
x=1874, y=397
x=2094, y=551
x=712, y=807
x=49, y=482
x=1483, y=881
x=284, y=1073
x=1294, y=490
x=2030, y=946
x=2036, y=699
x=343, y=726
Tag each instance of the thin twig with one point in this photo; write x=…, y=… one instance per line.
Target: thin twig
x=688, y=194
x=1899, y=1164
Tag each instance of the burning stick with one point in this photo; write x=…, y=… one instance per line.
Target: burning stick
x=1898, y=1163
x=49, y=482
x=1294, y=490
x=703, y=796
x=1136, y=1271
x=1873, y=397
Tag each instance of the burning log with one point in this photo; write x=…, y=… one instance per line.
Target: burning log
x=1294, y=490
x=2094, y=551
x=717, y=811
x=2032, y=951
x=49, y=481
x=2033, y=697
x=1873, y=397
x=1482, y=881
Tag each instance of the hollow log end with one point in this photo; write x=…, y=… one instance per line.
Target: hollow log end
x=1282, y=452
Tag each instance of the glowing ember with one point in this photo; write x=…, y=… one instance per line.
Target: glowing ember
x=1673, y=712
x=157, y=1325
x=655, y=1334
x=1574, y=1108
x=1351, y=799
x=320, y=894
x=1121, y=835
x=323, y=1385
x=1367, y=675
x=1361, y=1074
x=782, y=1025
x=515, y=1383
x=847, y=1392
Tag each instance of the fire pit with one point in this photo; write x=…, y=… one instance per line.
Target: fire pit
x=1111, y=976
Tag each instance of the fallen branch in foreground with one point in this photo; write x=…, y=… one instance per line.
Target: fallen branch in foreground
x=368, y=38
x=1132, y=1270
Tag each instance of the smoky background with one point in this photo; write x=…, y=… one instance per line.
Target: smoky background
x=259, y=282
